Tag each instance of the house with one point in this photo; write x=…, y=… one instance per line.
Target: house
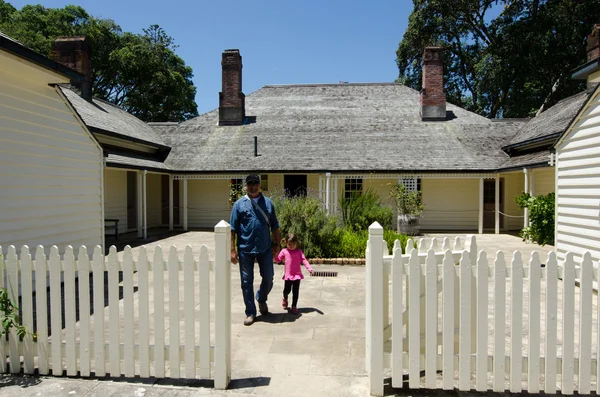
x=578, y=167
x=327, y=139
x=335, y=139
x=51, y=165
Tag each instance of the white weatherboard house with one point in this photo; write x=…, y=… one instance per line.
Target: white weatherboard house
x=578, y=168
x=51, y=167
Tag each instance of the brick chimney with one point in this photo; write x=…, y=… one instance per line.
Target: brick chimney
x=231, y=99
x=433, y=97
x=75, y=52
x=593, y=44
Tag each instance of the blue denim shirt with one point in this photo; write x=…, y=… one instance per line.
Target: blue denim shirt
x=253, y=231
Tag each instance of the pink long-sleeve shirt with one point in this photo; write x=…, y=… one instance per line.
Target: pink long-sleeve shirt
x=293, y=260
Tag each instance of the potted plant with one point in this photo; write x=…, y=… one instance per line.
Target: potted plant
x=409, y=208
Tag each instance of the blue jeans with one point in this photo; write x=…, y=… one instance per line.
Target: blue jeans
x=265, y=264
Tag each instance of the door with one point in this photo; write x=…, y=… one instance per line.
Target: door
x=295, y=185
x=131, y=200
x=489, y=203
x=165, y=200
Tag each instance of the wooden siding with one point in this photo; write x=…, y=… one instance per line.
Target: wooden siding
x=578, y=186
x=154, y=199
x=543, y=180
x=50, y=166
x=208, y=203
x=115, y=197
x=514, y=184
x=450, y=204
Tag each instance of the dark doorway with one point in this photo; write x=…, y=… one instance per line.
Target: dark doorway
x=295, y=185
x=165, y=200
x=489, y=203
x=132, y=200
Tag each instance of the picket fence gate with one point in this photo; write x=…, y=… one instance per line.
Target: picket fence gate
x=453, y=312
x=82, y=348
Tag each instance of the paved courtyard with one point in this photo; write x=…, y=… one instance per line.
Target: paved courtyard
x=317, y=353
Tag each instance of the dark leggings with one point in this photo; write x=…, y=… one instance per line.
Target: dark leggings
x=294, y=286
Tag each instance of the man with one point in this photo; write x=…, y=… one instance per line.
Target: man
x=253, y=220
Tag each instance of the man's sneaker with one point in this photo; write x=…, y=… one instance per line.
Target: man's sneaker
x=294, y=310
x=249, y=320
x=263, y=308
x=284, y=303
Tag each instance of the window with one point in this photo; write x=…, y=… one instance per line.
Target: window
x=411, y=184
x=236, y=190
x=264, y=182
x=353, y=186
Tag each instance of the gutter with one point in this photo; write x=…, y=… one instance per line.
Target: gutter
x=586, y=69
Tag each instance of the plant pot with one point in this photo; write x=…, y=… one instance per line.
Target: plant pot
x=409, y=224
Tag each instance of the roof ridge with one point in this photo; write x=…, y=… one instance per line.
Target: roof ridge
x=332, y=85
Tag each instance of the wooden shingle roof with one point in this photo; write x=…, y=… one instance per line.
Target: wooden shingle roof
x=340, y=128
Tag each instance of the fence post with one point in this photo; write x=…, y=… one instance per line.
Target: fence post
x=222, y=305
x=374, y=331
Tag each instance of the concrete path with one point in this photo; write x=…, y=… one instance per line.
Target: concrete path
x=320, y=352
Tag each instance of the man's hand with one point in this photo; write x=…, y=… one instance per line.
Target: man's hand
x=234, y=256
x=275, y=248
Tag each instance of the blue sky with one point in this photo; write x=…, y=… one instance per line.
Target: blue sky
x=281, y=42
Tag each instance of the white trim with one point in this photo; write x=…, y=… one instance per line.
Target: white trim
x=497, y=205
x=480, y=226
x=171, y=202
x=214, y=177
x=145, y=201
x=526, y=190
x=185, y=205
x=416, y=175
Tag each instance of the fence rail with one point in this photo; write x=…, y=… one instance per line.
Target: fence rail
x=473, y=323
x=104, y=315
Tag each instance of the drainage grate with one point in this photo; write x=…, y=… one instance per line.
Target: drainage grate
x=324, y=274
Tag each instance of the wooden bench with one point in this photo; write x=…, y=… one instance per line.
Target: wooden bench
x=114, y=225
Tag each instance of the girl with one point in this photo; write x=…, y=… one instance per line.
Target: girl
x=293, y=272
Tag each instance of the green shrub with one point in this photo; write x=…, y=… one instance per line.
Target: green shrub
x=304, y=216
x=390, y=237
x=321, y=235
x=360, y=211
x=352, y=244
x=541, y=217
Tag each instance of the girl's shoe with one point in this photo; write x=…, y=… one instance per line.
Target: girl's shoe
x=294, y=310
x=284, y=303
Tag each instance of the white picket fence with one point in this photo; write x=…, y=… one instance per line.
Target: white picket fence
x=132, y=335
x=472, y=324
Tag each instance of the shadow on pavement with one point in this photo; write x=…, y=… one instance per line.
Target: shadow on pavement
x=19, y=380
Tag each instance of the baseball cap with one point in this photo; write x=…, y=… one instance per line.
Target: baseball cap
x=252, y=178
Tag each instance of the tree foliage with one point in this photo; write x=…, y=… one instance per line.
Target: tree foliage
x=501, y=58
x=139, y=72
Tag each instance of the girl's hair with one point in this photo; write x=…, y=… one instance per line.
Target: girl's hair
x=291, y=238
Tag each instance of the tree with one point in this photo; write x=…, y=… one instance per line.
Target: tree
x=139, y=72
x=504, y=65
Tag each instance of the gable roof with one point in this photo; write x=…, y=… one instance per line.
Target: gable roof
x=550, y=123
x=338, y=127
x=593, y=95
x=108, y=119
x=15, y=47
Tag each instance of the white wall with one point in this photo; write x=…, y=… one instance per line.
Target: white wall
x=154, y=199
x=543, y=180
x=115, y=197
x=50, y=166
x=208, y=203
x=450, y=204
x=578, y=186
x=514, y=185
